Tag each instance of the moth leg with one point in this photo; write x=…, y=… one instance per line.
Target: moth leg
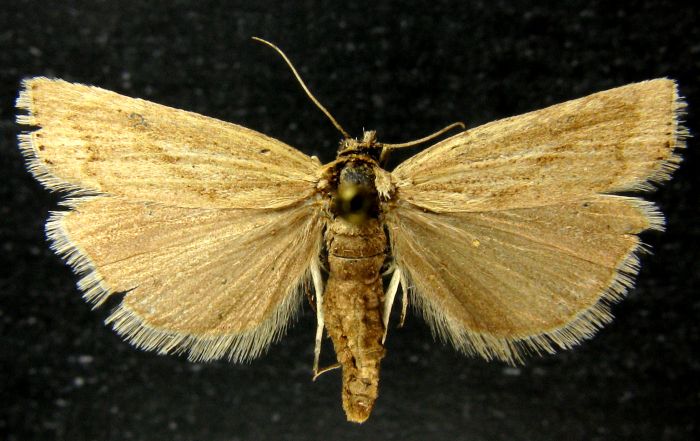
x=318, y=287
x=389, y=298
x=389, y=270
x=310, y=297
x=404, y=300
x=318, y=373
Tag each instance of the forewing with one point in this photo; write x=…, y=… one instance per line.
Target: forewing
x=92, y=140
x=504, y=234
x=612, y=141
x=213, y=283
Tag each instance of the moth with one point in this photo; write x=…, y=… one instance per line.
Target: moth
x=510, y=238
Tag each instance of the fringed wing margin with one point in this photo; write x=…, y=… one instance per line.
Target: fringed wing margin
x=93, y=141
x=506, y=237
x=210, y=283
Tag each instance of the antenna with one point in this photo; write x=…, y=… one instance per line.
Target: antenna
x=387, y=148
x=306, y=89
x=427, y=138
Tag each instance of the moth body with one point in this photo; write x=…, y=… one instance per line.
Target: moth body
x=354, y=295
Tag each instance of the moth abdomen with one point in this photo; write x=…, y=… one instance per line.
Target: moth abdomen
x=353, y=304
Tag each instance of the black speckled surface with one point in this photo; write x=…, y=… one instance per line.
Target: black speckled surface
x=404, y=69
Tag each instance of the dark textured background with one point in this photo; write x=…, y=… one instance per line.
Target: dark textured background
x=405, y=69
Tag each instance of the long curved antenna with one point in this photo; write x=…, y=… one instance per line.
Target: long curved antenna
x=427, y=138
x=303, y=86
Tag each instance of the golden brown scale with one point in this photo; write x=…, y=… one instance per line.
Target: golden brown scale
x=353, y=304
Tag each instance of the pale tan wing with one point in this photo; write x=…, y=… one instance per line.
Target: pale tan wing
x=497, y=283
x=92, y=140
x=213, y=283
x=209, y=227
x=503, y=231
x=617, y=140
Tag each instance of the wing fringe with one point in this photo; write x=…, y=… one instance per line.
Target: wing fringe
x=681, y=134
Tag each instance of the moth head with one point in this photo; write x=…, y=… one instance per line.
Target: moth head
x=368, y=145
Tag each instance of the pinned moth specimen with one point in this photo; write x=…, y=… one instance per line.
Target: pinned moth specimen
x=509, y=238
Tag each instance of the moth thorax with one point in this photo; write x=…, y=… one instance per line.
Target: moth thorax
x=355, y=198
